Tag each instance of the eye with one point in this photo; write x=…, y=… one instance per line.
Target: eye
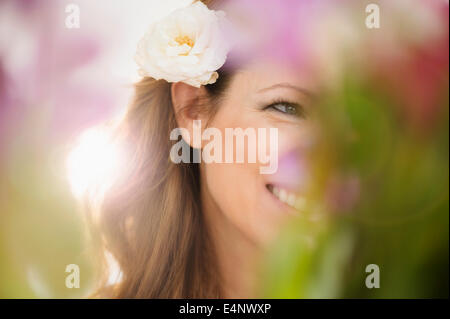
x=286, y=108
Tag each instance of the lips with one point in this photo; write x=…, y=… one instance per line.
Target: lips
x=287, y=197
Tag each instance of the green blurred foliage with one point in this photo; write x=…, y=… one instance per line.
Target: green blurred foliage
x=40, y=224
x=400, y=220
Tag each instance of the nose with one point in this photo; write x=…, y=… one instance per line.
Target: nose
x=292, y=170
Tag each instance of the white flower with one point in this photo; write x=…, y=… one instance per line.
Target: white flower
x=186, y=46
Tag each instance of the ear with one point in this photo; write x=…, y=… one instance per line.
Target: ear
x=185, y=101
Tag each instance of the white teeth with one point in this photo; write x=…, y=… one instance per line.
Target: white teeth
x=288, y=198
x=291, y=200
x=276, y=191
x=283, y=196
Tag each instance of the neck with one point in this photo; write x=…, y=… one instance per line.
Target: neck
x=236, y=254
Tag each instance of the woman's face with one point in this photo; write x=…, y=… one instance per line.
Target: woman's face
x=261, y=96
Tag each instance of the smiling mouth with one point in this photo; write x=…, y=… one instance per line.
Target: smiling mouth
x=287, y=197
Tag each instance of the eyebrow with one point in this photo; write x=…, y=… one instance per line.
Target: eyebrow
x=288, y=86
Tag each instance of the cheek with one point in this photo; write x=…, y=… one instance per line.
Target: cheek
x=239, y=189
x=235, y=187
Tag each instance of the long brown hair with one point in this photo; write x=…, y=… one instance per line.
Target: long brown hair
x=151, y=219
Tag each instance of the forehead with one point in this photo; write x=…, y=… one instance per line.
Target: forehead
x=266, y=73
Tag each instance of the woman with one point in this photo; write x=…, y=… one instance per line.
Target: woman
x=198, y=230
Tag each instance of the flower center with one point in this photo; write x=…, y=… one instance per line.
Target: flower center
x=184, y=40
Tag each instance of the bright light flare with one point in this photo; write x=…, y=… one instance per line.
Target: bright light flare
x=94, y=163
